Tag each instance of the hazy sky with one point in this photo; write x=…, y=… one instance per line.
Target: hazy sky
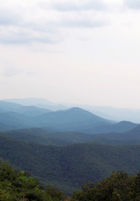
x=79, y=51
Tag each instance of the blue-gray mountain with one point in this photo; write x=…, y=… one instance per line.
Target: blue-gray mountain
x=15, y=116
x=116, y=114
x=38, y=102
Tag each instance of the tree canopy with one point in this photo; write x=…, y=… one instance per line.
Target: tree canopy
x=118, y=187
x=20, y=186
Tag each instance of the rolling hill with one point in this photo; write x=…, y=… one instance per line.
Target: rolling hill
x=130, y=137
x=44, y=137
x=72, y=165
x=50, y=137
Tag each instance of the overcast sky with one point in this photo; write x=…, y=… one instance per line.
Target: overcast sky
x=74, y=51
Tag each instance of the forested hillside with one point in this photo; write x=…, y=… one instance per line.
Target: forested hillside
x=70, y=166
x=50, y=137
x=20, y=186
x=65, y=148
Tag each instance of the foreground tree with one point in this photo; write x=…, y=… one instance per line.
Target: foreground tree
x=20, y=186
x=117, y=187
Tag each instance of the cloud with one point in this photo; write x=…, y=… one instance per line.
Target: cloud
x=15, y=30
x=133, y=4
x=19, y=25
x=83, y=23
x=32, y=24
x=76, y=5
x=47, y=33
x=19, y=35
x=7, y=17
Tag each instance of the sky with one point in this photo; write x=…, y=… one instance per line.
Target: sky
x=72, y=51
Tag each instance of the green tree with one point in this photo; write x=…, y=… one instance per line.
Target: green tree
x=20, y=186
x=117, y=187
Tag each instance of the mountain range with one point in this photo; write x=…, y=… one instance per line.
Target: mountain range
x=67, y=147
x=115, y=114
x=49, y=137
x=15, y=116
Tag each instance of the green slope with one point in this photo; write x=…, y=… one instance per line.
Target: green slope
x=50, y=137
x=19, y=185
x=71, y=165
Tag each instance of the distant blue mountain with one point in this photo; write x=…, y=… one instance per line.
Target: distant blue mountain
x=79, y=120
x=38, y=102
x=16, y=116
x=116, y=114
x=14, y=107
x=74, y=119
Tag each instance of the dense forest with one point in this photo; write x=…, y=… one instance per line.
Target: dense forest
x=69, y=167
x=118, y=187
x=18, y=185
